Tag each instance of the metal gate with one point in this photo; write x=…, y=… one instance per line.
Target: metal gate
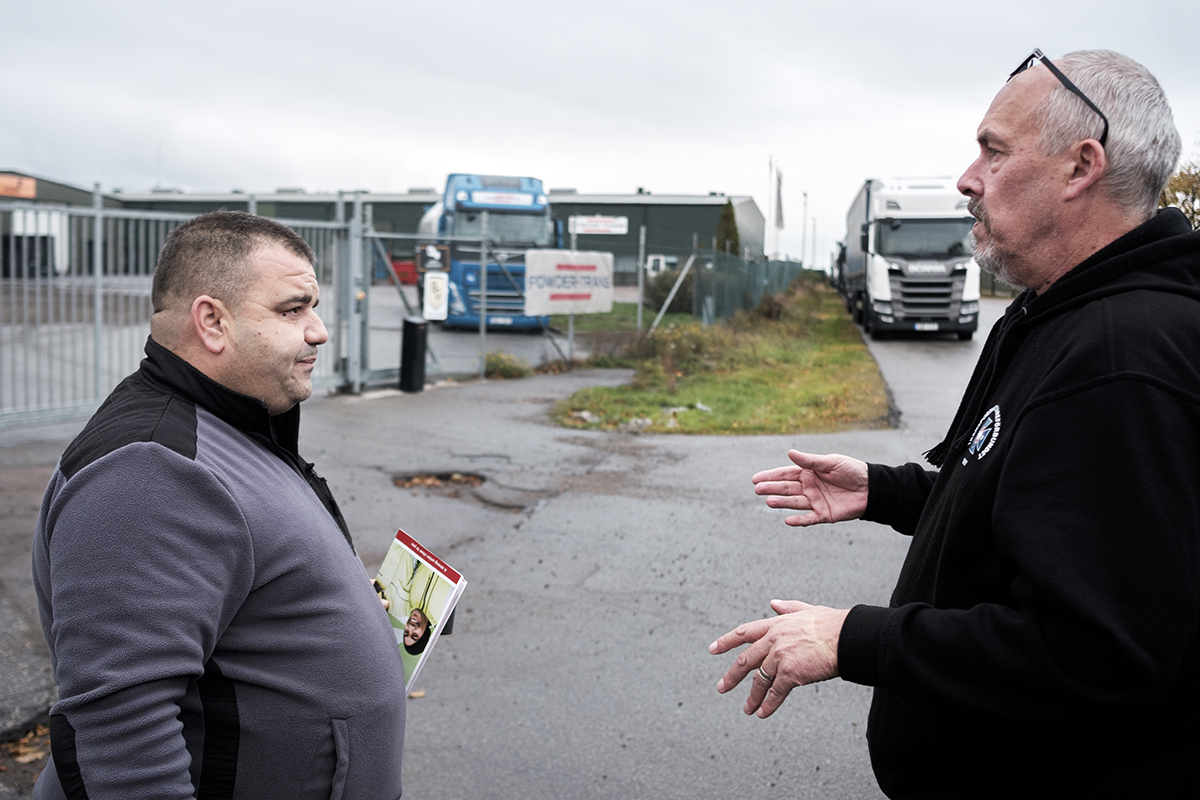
x=75, y=304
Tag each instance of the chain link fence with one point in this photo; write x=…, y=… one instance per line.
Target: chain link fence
x=725, y=284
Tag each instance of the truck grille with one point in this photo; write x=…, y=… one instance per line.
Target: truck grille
x=502, y=297
x=922, y=295
x=499, y=302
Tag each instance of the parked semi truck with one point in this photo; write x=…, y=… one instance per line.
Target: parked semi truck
x=518, y=219
x=908, y=263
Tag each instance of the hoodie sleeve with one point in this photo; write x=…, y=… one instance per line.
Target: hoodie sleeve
x=1099, y=530
x=148, y=559
x=896, y=495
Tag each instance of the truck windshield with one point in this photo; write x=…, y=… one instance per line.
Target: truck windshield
x=506, y=228
x=924, y=238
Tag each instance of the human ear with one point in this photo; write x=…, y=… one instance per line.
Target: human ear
x=1088, y=163
x=210, y=321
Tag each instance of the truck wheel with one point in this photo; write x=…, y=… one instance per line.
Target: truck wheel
x=965, y=336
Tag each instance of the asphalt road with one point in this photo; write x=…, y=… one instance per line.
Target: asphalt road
x=578, y=666
x=600, y=567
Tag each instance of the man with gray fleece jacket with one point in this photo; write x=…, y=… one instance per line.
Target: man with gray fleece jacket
x=1043, y=639
x=212, y=631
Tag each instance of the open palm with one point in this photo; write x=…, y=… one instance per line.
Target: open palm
x=831, y=487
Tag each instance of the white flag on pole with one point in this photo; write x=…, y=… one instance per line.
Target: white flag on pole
x=778, y=199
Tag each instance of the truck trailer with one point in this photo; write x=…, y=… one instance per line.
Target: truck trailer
x=908, y=262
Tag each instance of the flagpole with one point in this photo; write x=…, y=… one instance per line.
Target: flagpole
x=770, y=202
x=804, y=230
x=777, y=222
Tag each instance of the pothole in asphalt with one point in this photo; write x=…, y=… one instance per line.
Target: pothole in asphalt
x=447, y=484
x=472, y=486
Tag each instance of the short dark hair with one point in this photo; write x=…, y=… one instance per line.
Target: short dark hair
x=211, y=255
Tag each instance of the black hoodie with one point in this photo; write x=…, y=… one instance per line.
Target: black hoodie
x=1042, y=637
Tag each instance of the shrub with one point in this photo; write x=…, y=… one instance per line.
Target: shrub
x=674, y=352
x=658, y=287
x=499, y=364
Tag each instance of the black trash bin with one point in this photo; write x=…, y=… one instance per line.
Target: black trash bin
x=412, y=354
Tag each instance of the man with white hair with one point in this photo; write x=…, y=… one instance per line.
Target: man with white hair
x=1042, y=639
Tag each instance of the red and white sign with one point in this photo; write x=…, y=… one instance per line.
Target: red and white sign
x=598, y=226
x=568, y=282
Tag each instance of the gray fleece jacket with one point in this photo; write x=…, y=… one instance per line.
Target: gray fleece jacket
x=213, y=633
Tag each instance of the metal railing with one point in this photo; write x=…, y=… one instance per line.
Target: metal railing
x=75, y=302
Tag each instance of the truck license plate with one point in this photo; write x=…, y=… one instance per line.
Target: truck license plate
x=925, y=326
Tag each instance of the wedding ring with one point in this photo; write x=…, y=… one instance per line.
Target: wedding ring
x=763, y=674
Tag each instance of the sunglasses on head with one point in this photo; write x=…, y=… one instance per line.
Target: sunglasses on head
x=1037, y=56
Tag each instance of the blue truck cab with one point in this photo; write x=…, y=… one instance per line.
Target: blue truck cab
x=518, y=219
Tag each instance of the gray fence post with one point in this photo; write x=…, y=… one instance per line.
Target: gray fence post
x=483, y=287
x=98, y=276
x=355, y=297
x=641, y=268
x=341, y=288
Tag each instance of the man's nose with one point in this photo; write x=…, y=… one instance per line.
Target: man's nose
x=316, y=333
x=968, y=182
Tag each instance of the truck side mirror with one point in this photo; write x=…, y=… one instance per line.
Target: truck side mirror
x=865, y=238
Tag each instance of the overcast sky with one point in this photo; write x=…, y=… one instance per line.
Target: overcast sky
x=677, y=97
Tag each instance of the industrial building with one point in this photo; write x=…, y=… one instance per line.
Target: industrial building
x=673, y=222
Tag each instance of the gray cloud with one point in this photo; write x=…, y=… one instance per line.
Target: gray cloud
x=673, y=96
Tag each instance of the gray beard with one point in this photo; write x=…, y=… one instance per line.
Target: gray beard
x=990, y=259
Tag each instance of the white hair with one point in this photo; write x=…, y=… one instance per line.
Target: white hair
x=1143, y=146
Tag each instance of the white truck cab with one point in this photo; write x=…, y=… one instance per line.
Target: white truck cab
x=908, y=263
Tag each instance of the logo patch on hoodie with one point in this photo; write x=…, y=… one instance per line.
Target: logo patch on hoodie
x=986, y=433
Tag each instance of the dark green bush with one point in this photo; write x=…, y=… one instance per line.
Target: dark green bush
x=658, y=287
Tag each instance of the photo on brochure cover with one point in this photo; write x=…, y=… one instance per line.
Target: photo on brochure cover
x=421, y=591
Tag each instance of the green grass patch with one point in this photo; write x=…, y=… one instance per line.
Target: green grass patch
x=796, y=364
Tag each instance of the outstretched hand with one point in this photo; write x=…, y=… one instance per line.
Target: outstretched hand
x=796, y=648
x=832, y=487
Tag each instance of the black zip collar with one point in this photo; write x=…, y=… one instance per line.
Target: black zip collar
x=247, y=414
x=280, y=434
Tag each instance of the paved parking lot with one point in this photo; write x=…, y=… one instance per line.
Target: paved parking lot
x=600, y=566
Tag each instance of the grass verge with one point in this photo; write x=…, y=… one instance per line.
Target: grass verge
x=796, y=364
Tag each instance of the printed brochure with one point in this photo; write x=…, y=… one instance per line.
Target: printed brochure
x=421, y=591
